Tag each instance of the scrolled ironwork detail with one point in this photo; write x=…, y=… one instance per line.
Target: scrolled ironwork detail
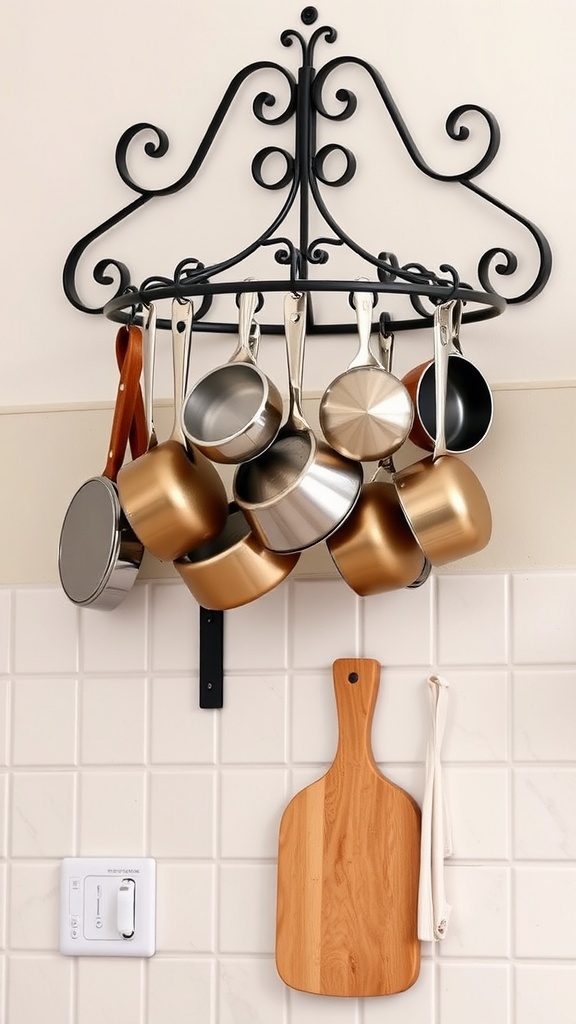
x=101, y=274
x=289, y=256
x=190, y=271
x=455, y=131
x=326, y=32
x=305, y=171
x=258, y=164
x=321, y=158
x=316, y=254
x=387, y=267
x=486, y=264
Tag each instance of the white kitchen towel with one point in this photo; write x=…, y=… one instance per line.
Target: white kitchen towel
x=436, y=839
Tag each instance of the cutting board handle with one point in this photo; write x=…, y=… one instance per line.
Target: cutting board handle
x=356, y=684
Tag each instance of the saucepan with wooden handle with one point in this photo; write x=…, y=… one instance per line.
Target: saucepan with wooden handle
x=99, y=555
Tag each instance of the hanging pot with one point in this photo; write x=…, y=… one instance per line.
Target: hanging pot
x=375, y=550
x=366, y=413
x=234, y=412
x=174, y=499
x=300, y=490
x=98, y=554
x=442, y=498
x=234, y=567
x=469, y=404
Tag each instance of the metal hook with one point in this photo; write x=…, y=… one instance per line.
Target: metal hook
x=351, y=301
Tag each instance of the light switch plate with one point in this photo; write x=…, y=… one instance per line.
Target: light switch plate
x=93, y=906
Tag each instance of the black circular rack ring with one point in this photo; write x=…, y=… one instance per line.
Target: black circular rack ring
x=300, y=183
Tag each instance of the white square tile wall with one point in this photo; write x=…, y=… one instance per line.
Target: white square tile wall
x=104, y=751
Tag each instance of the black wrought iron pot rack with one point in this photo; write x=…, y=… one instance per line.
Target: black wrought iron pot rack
x=305, y=172
x=300, y=186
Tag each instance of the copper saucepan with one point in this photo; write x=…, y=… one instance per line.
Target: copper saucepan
x=234, y=567
x=174, y=499
x=375, y=550
x=442, y=498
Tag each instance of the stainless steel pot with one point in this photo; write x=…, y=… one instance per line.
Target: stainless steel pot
x=299, y=490
x=233, y=413
x=366, y=413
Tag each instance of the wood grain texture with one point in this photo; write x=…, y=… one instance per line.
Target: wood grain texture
x=348, y=864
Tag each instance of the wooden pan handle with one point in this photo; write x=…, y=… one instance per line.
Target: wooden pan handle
x=130, y=339
x=356, y=684
x=138, y=438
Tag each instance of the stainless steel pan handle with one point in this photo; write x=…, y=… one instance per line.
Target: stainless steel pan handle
x=295, y=328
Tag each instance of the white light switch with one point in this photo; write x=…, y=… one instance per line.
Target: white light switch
x=126, y=908
x=108, y=906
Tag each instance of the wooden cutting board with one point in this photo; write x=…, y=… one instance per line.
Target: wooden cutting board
x=348, y=864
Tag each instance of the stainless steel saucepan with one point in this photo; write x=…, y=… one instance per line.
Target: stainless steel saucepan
x=366, y=413
x=299, y=490
x=233, y=413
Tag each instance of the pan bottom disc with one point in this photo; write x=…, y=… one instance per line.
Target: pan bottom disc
x=366, y=414
x=89, y=541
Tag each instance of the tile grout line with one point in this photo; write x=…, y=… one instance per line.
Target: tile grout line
x=511, y=909
x=147, y=827
x=218, y=767
x=433, y=654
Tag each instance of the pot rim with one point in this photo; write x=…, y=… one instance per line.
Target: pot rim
x=270, y=400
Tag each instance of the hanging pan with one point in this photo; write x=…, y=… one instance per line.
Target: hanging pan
x=173, y=498
x=234, y=412
x=99, y=555
x=375, y=550
x=366, y=413
x=234, y=567
x=299, y=490
x=442, y=498
x=469, y=404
